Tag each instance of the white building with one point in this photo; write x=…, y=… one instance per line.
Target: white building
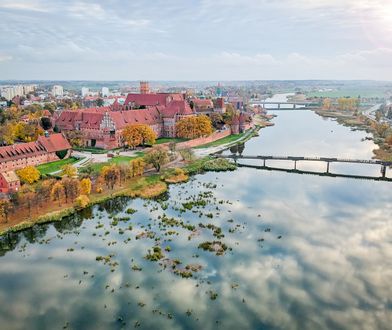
x=85, y=91
x=9, y=92
x=105, y=92
x=57, y=90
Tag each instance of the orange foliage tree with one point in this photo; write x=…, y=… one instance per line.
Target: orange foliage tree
x=138, y=134
x=194, y=127
x=28, y=174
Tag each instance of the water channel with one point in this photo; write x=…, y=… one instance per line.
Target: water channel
x=303, y=251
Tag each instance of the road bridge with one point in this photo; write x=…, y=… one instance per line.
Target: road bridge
x=296, y=159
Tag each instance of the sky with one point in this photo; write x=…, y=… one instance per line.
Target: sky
x=195, y=39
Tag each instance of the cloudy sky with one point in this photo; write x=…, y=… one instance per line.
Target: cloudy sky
x=196, y=39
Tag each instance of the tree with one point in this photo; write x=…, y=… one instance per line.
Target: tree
x=123, y=171
x=381, y=129
x=28, y=174
x=110, y=174
x=75, y=138
x=138, y=134
x=85, y=186
x=44, y=190
x=194, y=127
x=71, y=188
x=27, y=196
x=99, y=102
x=5, y=208
x=46, y=123
x=136, y=167
x=187, y=154
x=157, y=157
x=82, y=201
x=58, y=192
x=69, y=170
x=327, y=104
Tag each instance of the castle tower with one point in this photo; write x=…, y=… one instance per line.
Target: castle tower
x=144, y=87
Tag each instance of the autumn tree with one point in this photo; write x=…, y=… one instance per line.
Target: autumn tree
x=71, y=188
x=58, y=192
x=5, y=209
x=194, y=127
x=27, y=197
x=136, y=167
x=157, y=157
x=85, y=186
x=44, y=190
x=110, y=174
x=81, y=201
x=28, y=174
x=69, y=170
x=123, y=171
x=327, y=104
x=187, y=154
x=381, y=129
x=74, y=137
x=138, y=134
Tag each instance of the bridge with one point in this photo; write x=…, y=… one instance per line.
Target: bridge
x=327, y=160
x=289, y=105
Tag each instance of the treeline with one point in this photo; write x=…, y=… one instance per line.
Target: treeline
x=74, y=188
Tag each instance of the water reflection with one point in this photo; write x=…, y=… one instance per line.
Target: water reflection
x=308, y=252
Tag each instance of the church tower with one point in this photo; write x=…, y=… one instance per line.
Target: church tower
x=144, y=87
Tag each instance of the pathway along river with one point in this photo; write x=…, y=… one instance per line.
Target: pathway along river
x=303, y=252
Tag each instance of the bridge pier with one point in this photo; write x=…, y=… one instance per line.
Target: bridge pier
x=294, y=106
x=264, y=162
x=278, y=105
x=295, y=165
x=327, y=167
x=383, y=171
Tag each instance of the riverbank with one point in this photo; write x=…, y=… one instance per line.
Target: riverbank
x=148, y=186
x=357, y=121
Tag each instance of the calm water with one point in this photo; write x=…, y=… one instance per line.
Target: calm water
x=304, y=252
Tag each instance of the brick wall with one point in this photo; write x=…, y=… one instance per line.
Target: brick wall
x=203, y=140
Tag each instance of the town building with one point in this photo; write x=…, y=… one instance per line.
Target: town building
x=17, y=156
x=9, y=182
x=57, y=90
x=10, y=92
x=105, y=92
x=42, y=151
x=85, y=91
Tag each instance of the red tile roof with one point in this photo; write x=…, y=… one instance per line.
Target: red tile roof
x=152, y=99
x=177, y=108
x=22, y=150
x=54, y=142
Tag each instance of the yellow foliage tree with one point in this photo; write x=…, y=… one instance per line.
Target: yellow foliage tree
x=194, y=127
x=28, y=174
x=58, y=191
x=138, y=134
x=5, y=209
x=81, y=201
x=85, y=186
x=327, y=104
x=110, y=175
x=137, y=167
x=69, y=170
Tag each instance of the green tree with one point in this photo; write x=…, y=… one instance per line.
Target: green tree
x=157, y=157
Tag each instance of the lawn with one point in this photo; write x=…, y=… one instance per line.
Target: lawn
x=55, y=166
x=168, y=140
x=225, y=140
x=115, y=160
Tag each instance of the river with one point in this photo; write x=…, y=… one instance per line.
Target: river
x=303, y=251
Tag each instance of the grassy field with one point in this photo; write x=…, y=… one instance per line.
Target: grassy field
x=115, y=160
x=225, y=140
x=167, y=140
x=55, y=166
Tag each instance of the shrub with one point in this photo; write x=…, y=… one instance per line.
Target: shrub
x=219, y=164
x=81, y=201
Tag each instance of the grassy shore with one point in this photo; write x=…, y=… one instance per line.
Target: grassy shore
x=147, y=187
x=47, y=168
x=360, y=122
